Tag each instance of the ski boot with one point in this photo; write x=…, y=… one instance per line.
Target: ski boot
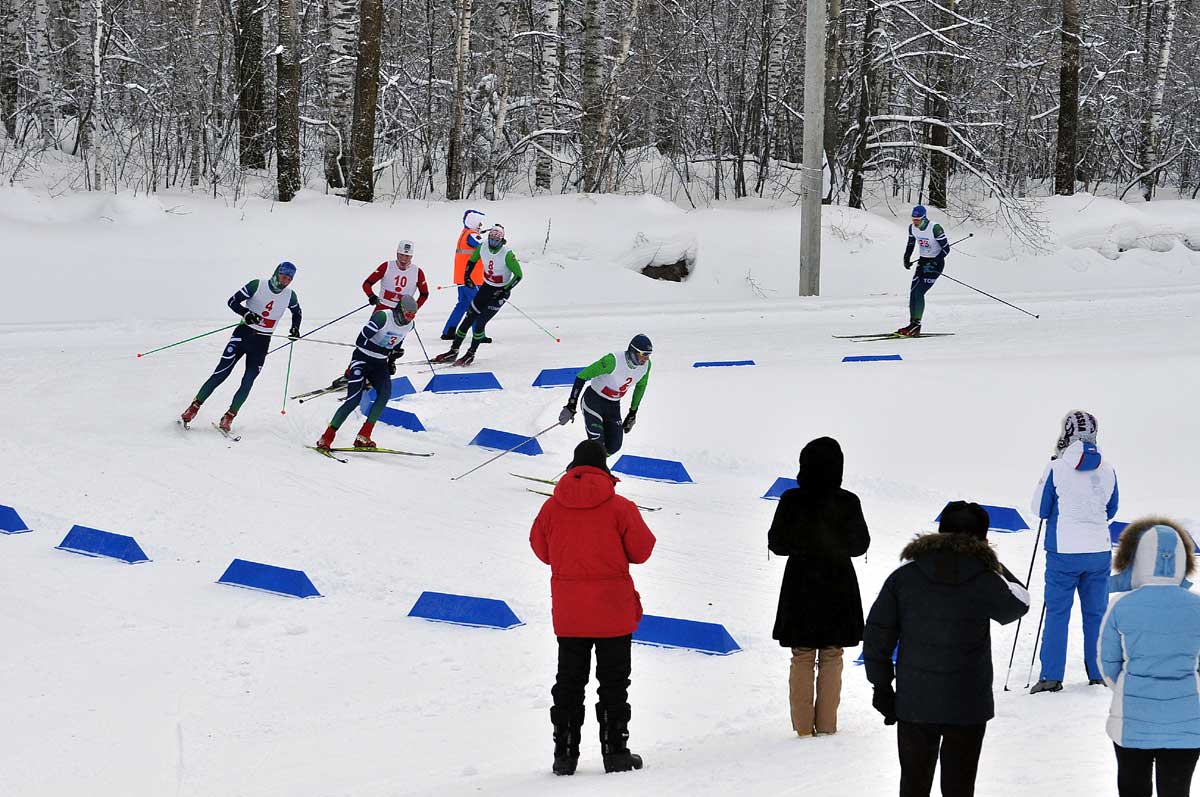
x=326, y=441
x=467, y=358
x=568, y=725
x=614, y=734
x=912, y=330
x=447, y=356
x=1046, y=685
x=190, y=412
x=226, y=422
x=363, y=440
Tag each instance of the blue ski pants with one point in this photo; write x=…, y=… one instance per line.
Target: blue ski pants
x=465, y=295
x=244, y=342
x=1066, y=574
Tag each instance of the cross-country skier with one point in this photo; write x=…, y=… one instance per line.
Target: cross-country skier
x=468, y=242
x=396, y=278
x=931, y=260
x=611, y=376
x=260, y=303
x=378, y=347
x=501, y=273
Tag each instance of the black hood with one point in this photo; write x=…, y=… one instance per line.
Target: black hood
x=820, y=466
x=951, y=558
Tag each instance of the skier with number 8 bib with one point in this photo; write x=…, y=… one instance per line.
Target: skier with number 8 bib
x=611, y=377
x=260, y=303
x=501, y=273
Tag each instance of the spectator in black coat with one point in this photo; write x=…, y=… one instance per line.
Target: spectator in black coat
x=818, y=526
x=938, y=607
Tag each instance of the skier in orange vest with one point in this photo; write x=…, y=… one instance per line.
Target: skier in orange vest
x=468, y=242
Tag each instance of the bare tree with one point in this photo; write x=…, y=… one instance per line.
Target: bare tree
x=548, y=88
x=247, y=49
x=342, y=18
x=462, y=55
x=366, y=95
x=287, y=102
x=505, y=24
x=939, y=109
x=1153, y=124
x=1067, y=148
x=11, y=46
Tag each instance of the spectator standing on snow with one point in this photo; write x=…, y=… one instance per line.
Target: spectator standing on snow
x=1077, y=497
x=932, y=246
x=589, y=535
x=938, y=608
x=468, y=242
x=819, y=527
x=1148, y=653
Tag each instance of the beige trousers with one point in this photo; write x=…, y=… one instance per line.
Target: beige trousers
x=815, y=712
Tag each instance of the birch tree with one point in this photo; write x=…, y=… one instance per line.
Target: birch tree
x=1066, y=147
x=287, y=102
x=1153, y=125
x=12, y=45
x=462, y=55
x=547, y=90
x=342, y=17
x=251, y=94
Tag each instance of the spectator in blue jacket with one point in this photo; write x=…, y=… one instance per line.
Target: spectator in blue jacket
x=1148, y=654
x=1077, y=497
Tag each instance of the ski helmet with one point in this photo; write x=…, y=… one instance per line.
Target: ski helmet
x=639, y=350
x=406, y=310
x=473, y=220
x=284, y=269
x=496, y=235
x=918, y=211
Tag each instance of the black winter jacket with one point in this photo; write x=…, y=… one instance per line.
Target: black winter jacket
x=939, y=608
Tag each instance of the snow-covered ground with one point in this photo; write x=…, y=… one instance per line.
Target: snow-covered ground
x=153, y=680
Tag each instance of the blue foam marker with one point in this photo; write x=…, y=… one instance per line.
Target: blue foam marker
x=442, y=607
x=268, y=578
x=671, y=632
x=722, y=363
x=11, y=522
x=401, y=387
x=556, y=377
x=860, y=661
x=659, y=470
x=502, y=441
x=94, y=542
x=463, y=383
x=777, y=489
x=1001, y=518
x=402, y=418
x=1114, y=530
x=871, y=358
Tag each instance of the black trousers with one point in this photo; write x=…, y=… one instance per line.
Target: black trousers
x=575, y=663
x=482, y=309
x=602, y=421
x=921, y=744
x=1168, y=769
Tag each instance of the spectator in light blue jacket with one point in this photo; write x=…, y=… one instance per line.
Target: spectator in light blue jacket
x=1077, y=497
x=1149, y=654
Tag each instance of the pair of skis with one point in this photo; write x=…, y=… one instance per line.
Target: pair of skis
x=553, y=482
x=230, y=436
x=329, y=452
x=893, y=336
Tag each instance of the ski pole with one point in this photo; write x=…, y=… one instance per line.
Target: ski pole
x=327, y=342
x=985, y=293
x=509, y=451
x=535, y=323
x=306, y=334
x=428, y=361
x=1028, y=578
x=1036, y=641
x=194, y=337
x=960, y=240
x=286, y=379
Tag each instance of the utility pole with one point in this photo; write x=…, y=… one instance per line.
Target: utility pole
x=811, y=183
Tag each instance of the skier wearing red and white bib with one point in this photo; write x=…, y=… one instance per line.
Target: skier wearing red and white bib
x=611, y=377
x=501, y=273
x=396, y=278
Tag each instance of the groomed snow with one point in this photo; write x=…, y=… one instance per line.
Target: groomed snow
x=152, y=680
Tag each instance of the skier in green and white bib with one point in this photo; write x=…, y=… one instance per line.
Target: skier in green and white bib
x=611, y=377
x=501, y=272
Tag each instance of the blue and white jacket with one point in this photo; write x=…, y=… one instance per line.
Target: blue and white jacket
x=1149, y=650
x=1077, y=496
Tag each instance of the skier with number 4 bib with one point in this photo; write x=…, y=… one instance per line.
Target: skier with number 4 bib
x=260, y=303
x=501, y=273
x=611, y=377
x=379, y=345
x=933, y=246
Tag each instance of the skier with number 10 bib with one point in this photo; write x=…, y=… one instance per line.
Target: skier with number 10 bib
x=933, y=246
x=501, y=273
x=611, y=377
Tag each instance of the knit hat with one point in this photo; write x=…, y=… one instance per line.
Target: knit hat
x=963, y=517
x=590, y=453
x=1077, y=425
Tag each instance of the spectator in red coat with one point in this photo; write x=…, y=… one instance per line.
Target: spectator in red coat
x=589, y=535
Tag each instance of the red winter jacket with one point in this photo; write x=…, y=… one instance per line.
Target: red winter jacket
x=588, y=535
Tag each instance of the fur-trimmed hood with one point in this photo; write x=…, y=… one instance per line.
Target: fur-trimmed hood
x=1152, y=550
x=951, y=558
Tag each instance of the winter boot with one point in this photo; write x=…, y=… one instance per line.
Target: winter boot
x=226, y=422
x=614, y=735
x=326, y=440
x=364, y=436
x=913, y=330
x=1095, y=682
x=448, y=335
x=568, y=726
x=190, y=412
x=1046, y=685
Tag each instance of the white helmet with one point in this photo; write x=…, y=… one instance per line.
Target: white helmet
x=405, y=247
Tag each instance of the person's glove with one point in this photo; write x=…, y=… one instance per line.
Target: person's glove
x=907, y=263
x=468, y=282
x=941, y=262
x=567, y=414
x=630, y=420
x=393, y=355
x=884, y=701
x=252, y=318
x=294, y=333
x=372, y=299
x=504, y=293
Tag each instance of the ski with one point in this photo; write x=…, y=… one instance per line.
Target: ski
x=326, y=453
x=319, y=393
x=639, y=506
x=892, y=336
x=534, y=478
x=187, y=427
x=228, y=435
x=349, y=450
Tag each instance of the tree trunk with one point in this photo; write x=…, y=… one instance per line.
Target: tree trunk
x=462, y=56
x=939, y=136
x=12, y=45
x=96, y=111
x=247, y=46
x=773, y=101
x=592, y=90
x=1151, y=144
x=505, y=25
x=287, y=102
x=44, y=102
x=547, y=89
x=195, y=89
x=832, y=77
x=1067, y=150
x=609, y=104
x=342, y=16
x=366, y=96
x=868, y=92
x=75, y=51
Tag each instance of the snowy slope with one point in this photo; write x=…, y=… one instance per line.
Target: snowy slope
x=153, y=680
